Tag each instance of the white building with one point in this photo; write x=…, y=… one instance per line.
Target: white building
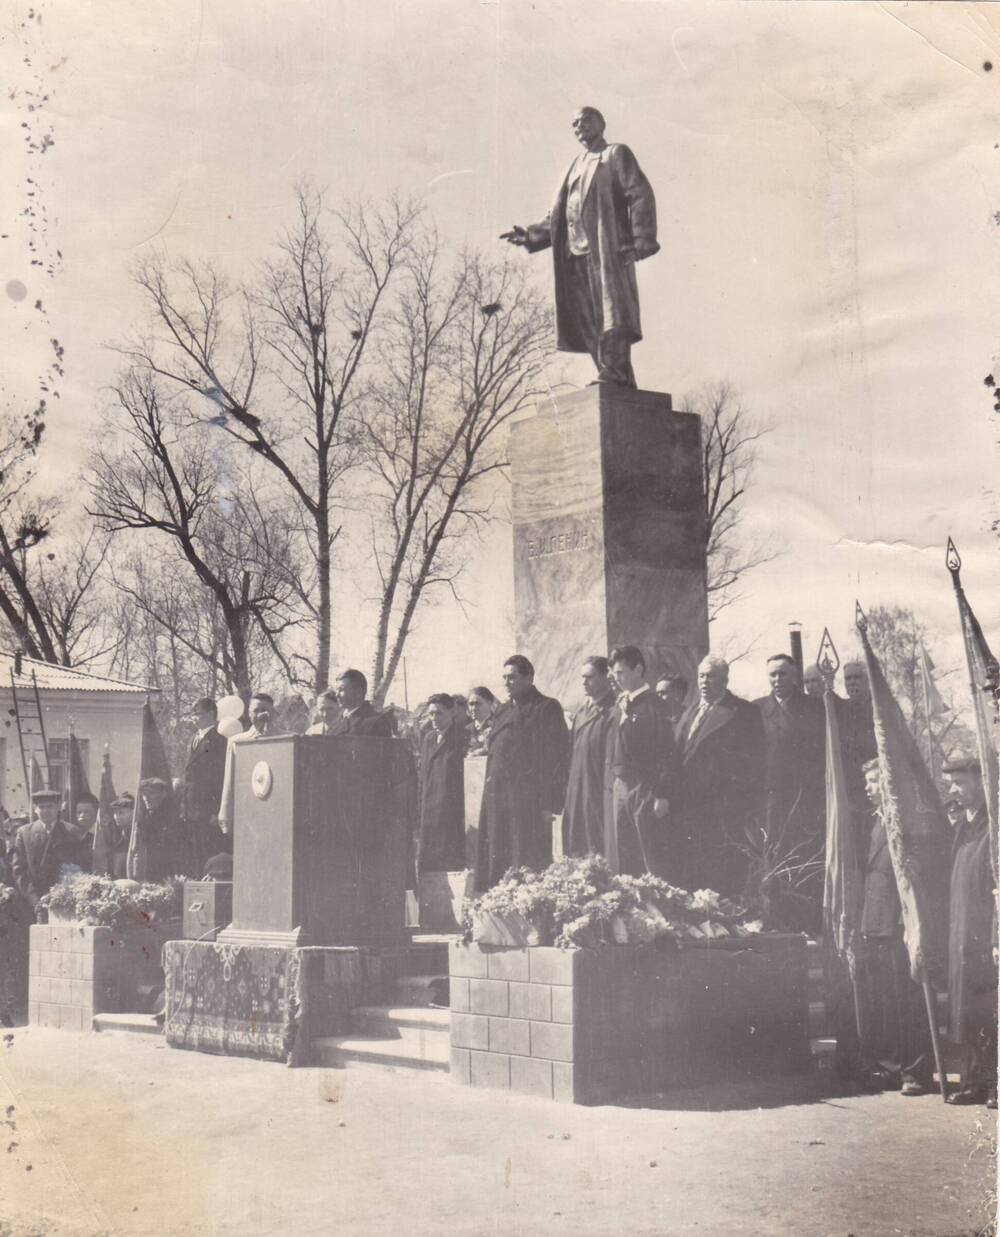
x=104, y=714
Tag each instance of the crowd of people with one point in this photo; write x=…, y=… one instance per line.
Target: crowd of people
x=713, y=792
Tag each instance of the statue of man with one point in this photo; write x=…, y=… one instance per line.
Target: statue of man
x=602, y=222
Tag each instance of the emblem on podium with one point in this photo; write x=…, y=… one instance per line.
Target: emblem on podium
x=261, y=779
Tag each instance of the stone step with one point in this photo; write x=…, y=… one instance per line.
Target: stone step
x=411, y=1048
x=137, y=1024
x=388, y=1019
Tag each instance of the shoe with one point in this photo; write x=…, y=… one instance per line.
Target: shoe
x=885, y=1079
x=968, y=1095
x=914, y=1086
x=991, y=1098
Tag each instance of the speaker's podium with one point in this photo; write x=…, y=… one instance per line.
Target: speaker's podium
x=320, y=846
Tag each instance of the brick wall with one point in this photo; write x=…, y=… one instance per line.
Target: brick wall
x=593, y=1025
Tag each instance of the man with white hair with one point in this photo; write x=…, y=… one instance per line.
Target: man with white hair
x=720, y=740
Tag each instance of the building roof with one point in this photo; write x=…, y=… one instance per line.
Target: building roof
x=64, y=678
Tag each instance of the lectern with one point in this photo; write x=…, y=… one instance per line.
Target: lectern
x=320, y=841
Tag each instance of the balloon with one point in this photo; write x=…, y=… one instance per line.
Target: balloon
x=229, y=707
x=229, y=726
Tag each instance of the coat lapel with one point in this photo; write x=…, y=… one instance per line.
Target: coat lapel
x=721, y=713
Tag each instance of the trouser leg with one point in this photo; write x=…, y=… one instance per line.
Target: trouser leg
x=614, y=364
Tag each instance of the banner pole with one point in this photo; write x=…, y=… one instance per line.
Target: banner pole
x=935, y=1039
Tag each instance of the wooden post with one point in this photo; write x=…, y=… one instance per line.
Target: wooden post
x=931, y=1004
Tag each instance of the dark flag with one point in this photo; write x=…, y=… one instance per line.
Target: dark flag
x=915, y=825
x=76, y=780
x=37, y=781
x=984, y=682
x=105, y=820
x=152, y=763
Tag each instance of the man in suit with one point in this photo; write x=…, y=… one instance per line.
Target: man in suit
x=643, y=771
x=81, y=829
x=972, y=967
x=672, y=690
x=441, y=771
x=720, y=740
x=328, y=709
x=794, y=799
x=169, y=845
x=42, y=848
x=894, y=1052
x=358, y=717
x=527, y=757
x=202, y=785
x=261, y=713
x=603, y=221
x=587, y=787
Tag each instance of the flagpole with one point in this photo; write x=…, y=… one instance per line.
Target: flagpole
x=929, y=1001
x=924, y=673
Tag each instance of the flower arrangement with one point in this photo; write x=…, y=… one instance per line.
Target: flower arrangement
x=580, y=902
x=98, y=900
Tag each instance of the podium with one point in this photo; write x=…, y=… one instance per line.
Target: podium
x=320, y=842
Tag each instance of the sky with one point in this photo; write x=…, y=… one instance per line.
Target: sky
x=827, y=179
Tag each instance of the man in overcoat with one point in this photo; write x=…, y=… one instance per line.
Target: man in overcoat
x=639, y=834
x=720, y=740
x=202, y=787
x=42, y=847
x=587, y=788
x=358, y=716
x=794, y=794
x=441, y=770
x=602, y=222
x=972, y=966
x=527, y=758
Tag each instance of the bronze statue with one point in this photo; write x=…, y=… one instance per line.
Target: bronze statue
x=602, y=222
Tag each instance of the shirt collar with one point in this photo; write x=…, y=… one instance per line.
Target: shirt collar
x=628, y=697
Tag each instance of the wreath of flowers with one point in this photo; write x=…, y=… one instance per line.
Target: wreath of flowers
x=99, y=900
x=581, y=902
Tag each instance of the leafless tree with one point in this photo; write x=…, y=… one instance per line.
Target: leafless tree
x=280, y=362
x=730, y=439
x=460, y=352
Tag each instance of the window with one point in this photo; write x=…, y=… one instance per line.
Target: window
x=59, y=762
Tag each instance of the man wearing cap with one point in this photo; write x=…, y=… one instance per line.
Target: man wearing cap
x=972, y=968
x=202, y=788
x=81, y=829
x=441, y=771
x=166, y=837
x=587, y=787
x=111, y=850
x=42, y=848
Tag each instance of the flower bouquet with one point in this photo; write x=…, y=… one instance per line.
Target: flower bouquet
x=99, y=900
x=580, y=902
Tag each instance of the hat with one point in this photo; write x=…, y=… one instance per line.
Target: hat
x=124, y=800
x=153, y=783
x=963, y=764
x=45, y=796
x=219, y=868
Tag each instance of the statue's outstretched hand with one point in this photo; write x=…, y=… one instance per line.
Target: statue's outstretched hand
x=516, y=236
x=645, y=248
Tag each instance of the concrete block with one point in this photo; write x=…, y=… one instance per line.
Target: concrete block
x=466, y=960
x=488, y=996
x=458, y=994
x=40, y=937
x=32, y=1013
x=562, y=1003
x=73, y=1018
x=490, y=1069
x=460, y=1065
x=82, y=993
x=549, y=965
x=35, y=962
x=507, y=964
x=61, y=991
x=470, y=1031
x=563, y=1082
x=531, y=1001
x=48, y=1015
x=510, y=1035
x=86, y=966
x=531, y=1076
x=552, y=1040
x=39, y=988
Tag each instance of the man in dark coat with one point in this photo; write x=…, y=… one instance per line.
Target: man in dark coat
x=527, y=758
x=167, y=839
x=202, y=788
x=720, y=740
x=856, y=723
x=972, y=967
x=358, y=717
x=794, y=797
x=587, y=788
x=603, y=221
x=42, y=848
x=441, y=769
x=639, y=837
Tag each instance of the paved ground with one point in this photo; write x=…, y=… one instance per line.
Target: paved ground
x=118, y=1134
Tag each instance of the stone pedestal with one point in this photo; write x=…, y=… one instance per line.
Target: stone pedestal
x=609, y=547
x=319, y=842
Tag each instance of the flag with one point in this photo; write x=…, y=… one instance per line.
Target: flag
x=844, y=888
x=37, y=781
x=936, y=707
x=105, y=820
x=76, y=780
x=984, y=676
x=915, y=826
x=152, y=763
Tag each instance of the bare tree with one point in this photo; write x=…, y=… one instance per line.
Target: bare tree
x=730, y=438
x=162, y=477
x=282, y=360
x=460, y=353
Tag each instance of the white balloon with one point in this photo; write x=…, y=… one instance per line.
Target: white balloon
x=229, y=726
x=229, y=707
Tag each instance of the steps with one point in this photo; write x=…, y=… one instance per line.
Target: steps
x=141, y=1024
x=413, y=1037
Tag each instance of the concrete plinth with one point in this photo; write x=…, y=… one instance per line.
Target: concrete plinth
x=609, y=545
